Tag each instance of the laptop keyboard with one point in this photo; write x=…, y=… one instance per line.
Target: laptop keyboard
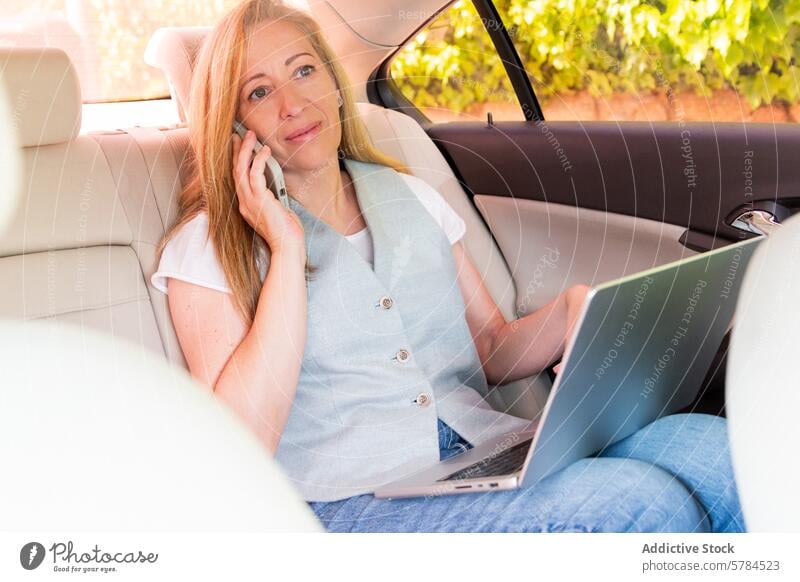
x=505, y=463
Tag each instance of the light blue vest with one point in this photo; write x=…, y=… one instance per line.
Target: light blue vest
x=387, y=350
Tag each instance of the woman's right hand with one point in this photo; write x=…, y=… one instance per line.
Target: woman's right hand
x=280, y=228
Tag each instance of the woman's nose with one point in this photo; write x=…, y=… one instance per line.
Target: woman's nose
x=292, y=101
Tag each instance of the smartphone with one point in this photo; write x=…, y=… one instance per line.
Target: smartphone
x=275, y=180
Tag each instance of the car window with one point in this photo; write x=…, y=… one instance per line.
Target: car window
x=105, y=39
x=451, y=71
x=626, y=60
x=637, y=60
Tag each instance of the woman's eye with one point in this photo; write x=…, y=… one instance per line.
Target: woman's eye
x=305, y=70
x=258, y=93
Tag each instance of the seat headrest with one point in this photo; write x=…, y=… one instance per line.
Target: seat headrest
x=82, y=398
x=174, y=50
x=44, y=93
x=761, y=396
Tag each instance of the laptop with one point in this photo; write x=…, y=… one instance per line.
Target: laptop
x=640, y=349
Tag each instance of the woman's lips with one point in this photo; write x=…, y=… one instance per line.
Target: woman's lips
x=309, y=133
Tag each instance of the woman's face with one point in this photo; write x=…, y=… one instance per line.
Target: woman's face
x=285, y=89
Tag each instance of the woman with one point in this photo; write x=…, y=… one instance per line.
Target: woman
x=338, y=329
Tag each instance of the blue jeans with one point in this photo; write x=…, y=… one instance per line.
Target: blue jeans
x=672, y=475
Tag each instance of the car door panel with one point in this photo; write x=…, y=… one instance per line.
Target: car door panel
x=551, y=246
x=658, y=191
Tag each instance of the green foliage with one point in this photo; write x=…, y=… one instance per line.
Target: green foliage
x=603, y=46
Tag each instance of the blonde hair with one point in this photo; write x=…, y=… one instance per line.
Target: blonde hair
x=212, y=109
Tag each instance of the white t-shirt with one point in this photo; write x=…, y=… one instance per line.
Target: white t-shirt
x=190, y=257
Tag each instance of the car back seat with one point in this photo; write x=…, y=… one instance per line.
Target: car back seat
x=84, y=234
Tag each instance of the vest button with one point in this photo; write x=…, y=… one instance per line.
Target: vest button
x=423, y=399
x=386, y=302
x=402, y=355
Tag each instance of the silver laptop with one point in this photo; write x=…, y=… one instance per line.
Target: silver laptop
x=641, y=349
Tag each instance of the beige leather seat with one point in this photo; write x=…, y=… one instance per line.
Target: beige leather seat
x=173, y=50
x=763, y=391
x=97, y=431
x=74, y=245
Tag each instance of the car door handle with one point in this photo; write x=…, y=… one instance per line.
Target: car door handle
x=756, y=222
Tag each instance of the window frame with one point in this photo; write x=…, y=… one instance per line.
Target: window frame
x=383, y=90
